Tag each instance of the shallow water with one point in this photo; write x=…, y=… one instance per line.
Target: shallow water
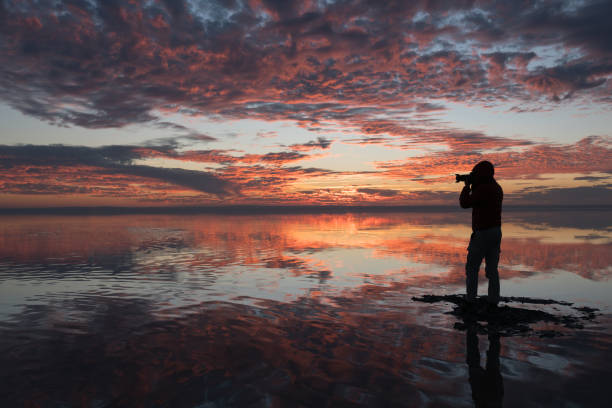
x=293, y=310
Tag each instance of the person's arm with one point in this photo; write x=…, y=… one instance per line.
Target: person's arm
x=464, y=198
x=470, y=198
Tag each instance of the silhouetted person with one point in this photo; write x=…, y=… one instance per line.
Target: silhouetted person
x=487, y=384
x=485, y=197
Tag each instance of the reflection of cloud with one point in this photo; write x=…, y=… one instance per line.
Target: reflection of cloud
x=337, y=332
x=269, y=353
x=293, y=242
x=298, y=266
x=519, y=258
x=102, y=350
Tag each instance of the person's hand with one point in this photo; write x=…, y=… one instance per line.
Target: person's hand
x=467, y=183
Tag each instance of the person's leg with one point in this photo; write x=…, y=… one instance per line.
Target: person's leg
x=472, y=265
x=492, y=260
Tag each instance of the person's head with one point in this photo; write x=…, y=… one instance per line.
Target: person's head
x=483, y=172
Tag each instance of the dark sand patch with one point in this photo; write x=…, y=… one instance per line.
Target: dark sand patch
x=509, y=320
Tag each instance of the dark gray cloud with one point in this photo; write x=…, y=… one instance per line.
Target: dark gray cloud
x=592, y=178
x=178, y=141
x=280, y=157
x=320, y=143
x=379, y=192
x=101, y=63
x=45, y=188
x=110, y=160
x=594, y=195
x=582, y=24
x=193, y=179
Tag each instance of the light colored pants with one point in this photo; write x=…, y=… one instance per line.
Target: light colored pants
x=483, y=244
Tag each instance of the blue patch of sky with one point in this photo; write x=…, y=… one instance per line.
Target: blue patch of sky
x=212, y=13
x=18, y=128
x=548, y=56
x=566, y=123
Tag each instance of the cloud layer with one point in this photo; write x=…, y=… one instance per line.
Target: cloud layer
x=108, y=63
x=378, y=72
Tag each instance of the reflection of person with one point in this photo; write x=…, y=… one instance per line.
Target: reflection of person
x=487, y=384
x=484, y=196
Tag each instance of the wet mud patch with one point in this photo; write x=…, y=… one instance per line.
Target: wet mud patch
x=509, y=320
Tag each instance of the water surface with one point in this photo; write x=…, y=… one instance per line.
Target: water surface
x=290, y=310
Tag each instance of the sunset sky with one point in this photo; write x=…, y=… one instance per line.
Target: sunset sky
x=193, y=102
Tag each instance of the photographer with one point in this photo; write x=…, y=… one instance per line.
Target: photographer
x=484, y=196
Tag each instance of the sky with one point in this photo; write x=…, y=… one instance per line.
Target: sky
x=273, y=102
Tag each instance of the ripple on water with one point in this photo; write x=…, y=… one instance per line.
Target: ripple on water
x=278, y=311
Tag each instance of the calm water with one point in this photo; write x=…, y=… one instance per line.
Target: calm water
x=291, y=310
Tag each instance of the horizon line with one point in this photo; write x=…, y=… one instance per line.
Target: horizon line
x=272, y=209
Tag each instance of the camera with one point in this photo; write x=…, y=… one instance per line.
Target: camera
x=468, y=178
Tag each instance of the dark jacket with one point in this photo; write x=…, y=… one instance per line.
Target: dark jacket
x=485, y=199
